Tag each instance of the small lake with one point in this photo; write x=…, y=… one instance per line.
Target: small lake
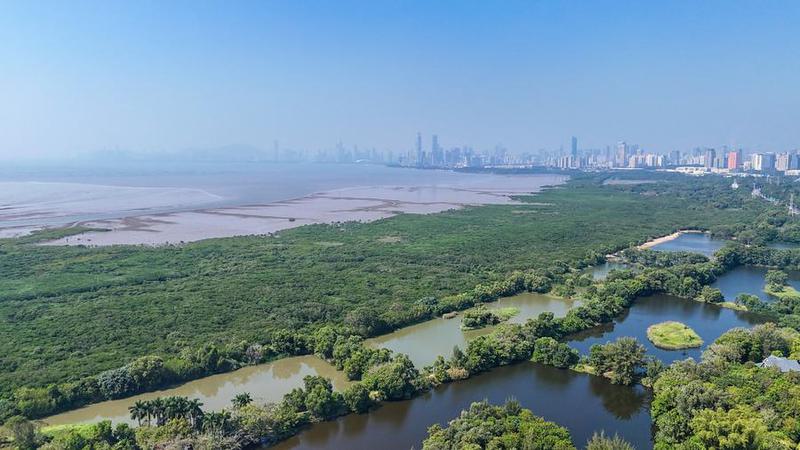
x=425, y=341
x=265, y=383
x=601, y=271
x=582, y=403
x=709, y=321
x=691, y=242
x=749, y=280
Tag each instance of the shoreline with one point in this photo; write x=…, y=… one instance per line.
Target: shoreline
x=354, y=204
x=670, y=237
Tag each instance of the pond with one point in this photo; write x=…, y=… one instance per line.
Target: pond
x=265, y=383
x=425, y=341
x=601, y=271
x=582, y=403
x=691, y=242
x=709, y=321
x=749, y=280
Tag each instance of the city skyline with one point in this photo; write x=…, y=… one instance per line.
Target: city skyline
x=83, y=77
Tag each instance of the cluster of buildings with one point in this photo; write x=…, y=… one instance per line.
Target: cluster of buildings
x=437, y=156
x=698, y=160
x=621, y=156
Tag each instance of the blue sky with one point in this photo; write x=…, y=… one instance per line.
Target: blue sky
x=82, y=76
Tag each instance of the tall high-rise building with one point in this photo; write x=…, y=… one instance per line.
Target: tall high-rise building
x=762, y=162
x=574, y=148
x=710, y=157
x=621, y=158
x=675, y=157
x=786, y=161
x=419, y=149
x=735, y=159
x=436, y=151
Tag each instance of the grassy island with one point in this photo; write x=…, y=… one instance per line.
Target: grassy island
x=673, y=336
x=481, y=317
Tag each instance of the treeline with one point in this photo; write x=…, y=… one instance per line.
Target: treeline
x=725, y=401
x=509, y=426
x=341, y=345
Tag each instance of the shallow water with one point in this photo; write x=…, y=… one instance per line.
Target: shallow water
x=264, y=382
x=691, y=242
x=425, y=341
x=601, y=271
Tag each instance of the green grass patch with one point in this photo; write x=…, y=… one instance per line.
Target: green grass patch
x=784, y=292
x=506, y=313
x=733, y=305
x=673, y=336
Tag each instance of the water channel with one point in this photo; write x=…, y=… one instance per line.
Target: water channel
x=423, y=342
x=265, y=383
x=582, y=403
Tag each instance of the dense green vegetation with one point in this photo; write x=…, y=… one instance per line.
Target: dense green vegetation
x=673, y=336
x=485, y=426
x=71, y=312
x=725, y=401
x=480, y=316
x=509, y=426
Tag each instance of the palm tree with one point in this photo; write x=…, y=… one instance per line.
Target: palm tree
x=217, y=423
x=241, y=400
x=195, y=411
x=158, y=410
x=138, y=411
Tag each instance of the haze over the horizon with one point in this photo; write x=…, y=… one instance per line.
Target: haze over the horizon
x=87, y=76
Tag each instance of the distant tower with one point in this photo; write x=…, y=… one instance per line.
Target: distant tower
x=419, y=149
x=574, y=148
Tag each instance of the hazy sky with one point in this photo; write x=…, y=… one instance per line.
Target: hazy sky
x=77, y=76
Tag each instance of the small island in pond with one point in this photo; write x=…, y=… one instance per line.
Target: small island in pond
x=481, y=316
x=673, y=336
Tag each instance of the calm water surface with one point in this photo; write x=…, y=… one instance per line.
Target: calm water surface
x=600, y=272
x=425, y=341
x=692, y=242
x=265, y=383
x=708, y=321
x=582, y=403
x=749, y=280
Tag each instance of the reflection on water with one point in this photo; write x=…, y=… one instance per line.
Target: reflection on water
x=749, y=280
x=708, y=321
x=600, y=272
x=691, y=242
x=580, y=402
x=265, y=383
x=423, y=342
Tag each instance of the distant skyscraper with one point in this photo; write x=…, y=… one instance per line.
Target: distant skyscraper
x=574, y=148
x=782, y=162
x=735, y=159
x=675, y=157
x=419, y=149
x=763, y=162
x=436, y=152
x=621, y=158
x=711, y=156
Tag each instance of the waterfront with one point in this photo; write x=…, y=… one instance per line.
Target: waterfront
x=709, y=321
x=265, y=383
x=582, y=403
x=425, y=341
